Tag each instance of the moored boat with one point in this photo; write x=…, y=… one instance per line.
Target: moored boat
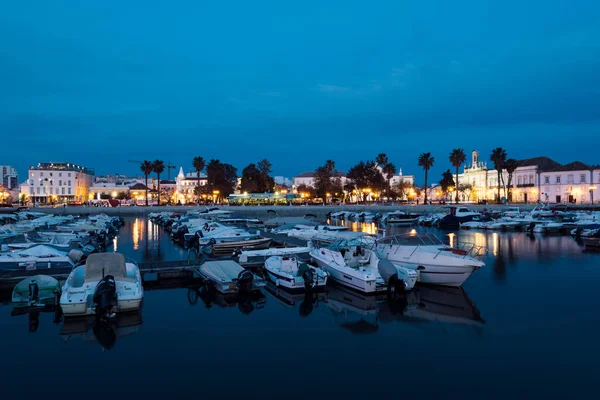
x=105, y=284
x=291, y=273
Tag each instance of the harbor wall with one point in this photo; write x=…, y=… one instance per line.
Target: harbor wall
x=262, y=211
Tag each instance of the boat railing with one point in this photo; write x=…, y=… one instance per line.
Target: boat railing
x=471, y=249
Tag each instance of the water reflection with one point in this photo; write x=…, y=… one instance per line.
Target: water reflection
x=33, y=314
x=306, y=302
x=362, y=314
x=92, y=329
x=246, y=303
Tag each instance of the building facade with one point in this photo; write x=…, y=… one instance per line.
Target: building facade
x=9, y=178
x=57, y=182
x=185, y=184
x=535, y=179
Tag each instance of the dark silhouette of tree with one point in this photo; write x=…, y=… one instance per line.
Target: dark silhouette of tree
x=457, y=158
x=266, y=182
x=498, y=157
x=158, y=166
x=198, y=163
x=222, y=178
x=251, y=179
x=426, y=162
x=324, y=176
x=447, y=181
x=147, y=167
x=511, y=166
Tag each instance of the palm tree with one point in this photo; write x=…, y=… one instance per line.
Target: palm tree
x=330, y=166
x=147, y=169
x=498, y=157
x=457, y=158
x=198, y=163
x=511, y=166
x=382, y=159
x=158, y=166
x=426, y=161
x=389, y=169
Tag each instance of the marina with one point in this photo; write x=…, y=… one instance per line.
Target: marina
x=471, y=316
x=299, y=200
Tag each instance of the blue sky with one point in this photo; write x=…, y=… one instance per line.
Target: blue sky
x=99, y=83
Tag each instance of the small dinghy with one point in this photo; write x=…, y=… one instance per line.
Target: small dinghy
x=104, y=285
x=229, y=277
x=290, y=273
x=36, y=291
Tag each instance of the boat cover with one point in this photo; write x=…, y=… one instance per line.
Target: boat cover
x=44, y=282
x=42, y=251
x=222, y=271
x=101, y=264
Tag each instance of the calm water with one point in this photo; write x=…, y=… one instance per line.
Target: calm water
x=525, y=325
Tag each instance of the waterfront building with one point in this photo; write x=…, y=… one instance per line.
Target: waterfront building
x=57, y=182
x=535, y=179
x=9, y=178
x=106, y=190
x=185, y=185
x=308, y=178
x=570, y=183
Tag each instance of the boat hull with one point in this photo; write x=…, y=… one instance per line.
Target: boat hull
x=346, y=279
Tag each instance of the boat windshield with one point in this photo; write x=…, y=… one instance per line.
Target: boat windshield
x=348, y=243
x=412, y=239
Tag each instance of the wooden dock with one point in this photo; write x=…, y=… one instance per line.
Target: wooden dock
x=151, y=271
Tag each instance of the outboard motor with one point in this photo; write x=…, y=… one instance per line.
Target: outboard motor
x=308, y=275
x=244, y=281
x=34, y=293
x=105, y=297
x=389, y=273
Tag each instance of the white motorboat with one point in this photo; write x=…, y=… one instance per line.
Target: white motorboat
x=292, y=273
x=549, y=227
x=436, y=262
x=258, y=257
x=37, y=290
x=307, y=232
x=39, y=257
x=399, y=218
x=214, y=232
x=105, y=283
x=229, y=277
x=352, y=263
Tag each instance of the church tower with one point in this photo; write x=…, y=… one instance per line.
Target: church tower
x=474, y=159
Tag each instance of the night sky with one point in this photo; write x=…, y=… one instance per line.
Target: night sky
x=98, y=83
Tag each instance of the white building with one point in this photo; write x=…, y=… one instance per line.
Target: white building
x=571, y=183
x=57, y=182
x=185, y=185
x=308, y=178
x=535, y=179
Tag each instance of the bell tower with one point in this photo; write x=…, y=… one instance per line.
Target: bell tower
x=474, y=159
